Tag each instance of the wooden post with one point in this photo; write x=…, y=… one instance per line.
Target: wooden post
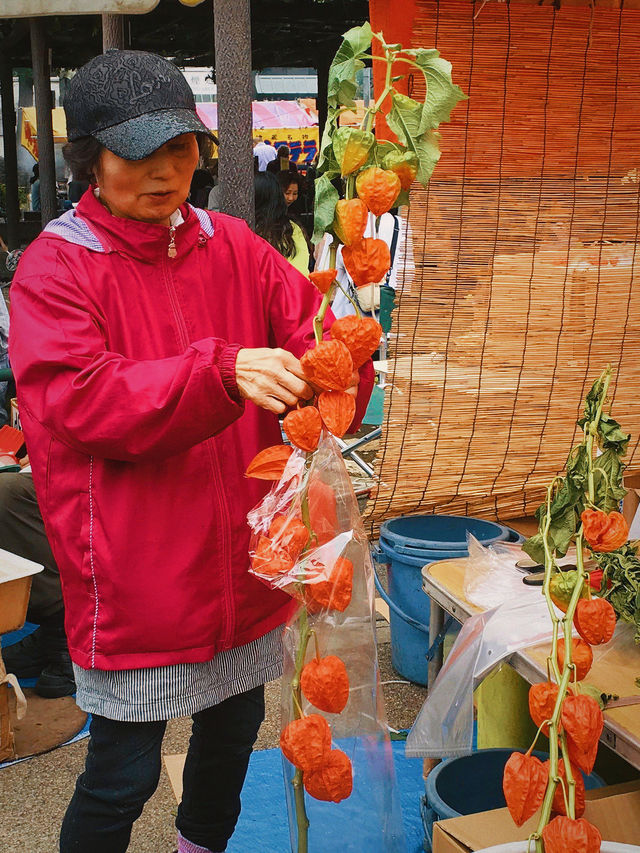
x=42, y=89
x=232, y=29
x=12, y=204
x=112, y=32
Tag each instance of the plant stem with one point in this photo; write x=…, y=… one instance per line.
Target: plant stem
x=367, y=121
x=591, y=431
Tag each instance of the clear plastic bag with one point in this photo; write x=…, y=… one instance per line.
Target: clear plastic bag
x=330, y=574
x=444, y=726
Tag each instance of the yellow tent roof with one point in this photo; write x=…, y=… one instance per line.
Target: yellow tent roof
x=57, y=117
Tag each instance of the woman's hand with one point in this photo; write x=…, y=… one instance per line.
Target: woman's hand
x=271, y=378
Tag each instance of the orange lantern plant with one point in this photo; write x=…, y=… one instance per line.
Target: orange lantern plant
x=333, y=593
x=303, y=428
x=378, y=188
x=360, y=335
x=270, y=463
x=350, y=220
x=337, y=410
x=306, y=742
x=368, y=261
x=325, y=683
x=328, y=365
x=332, y=780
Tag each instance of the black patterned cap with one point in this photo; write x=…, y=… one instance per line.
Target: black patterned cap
x=130, y=101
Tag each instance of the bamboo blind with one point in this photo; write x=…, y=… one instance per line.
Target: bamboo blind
x=527, y=266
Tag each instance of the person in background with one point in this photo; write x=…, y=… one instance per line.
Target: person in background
x=201, y=186
x=76, y=190
x=396, y=233
x=43, y=654
x=290, y=186
x=275, y=226
x=35, y=188
x=265, y=152
x=283, y=162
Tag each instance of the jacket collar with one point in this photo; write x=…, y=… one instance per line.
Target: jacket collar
x=142, y=240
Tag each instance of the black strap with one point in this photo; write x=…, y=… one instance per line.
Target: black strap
x=394, y=244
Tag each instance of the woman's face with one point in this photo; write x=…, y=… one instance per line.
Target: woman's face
x=291, y=194
x=149, y=190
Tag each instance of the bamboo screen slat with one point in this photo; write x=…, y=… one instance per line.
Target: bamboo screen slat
x=527, y=267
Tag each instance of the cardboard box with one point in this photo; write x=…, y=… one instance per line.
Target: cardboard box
x=614, y=810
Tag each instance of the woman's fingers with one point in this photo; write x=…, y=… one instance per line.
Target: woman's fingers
x=271, y=378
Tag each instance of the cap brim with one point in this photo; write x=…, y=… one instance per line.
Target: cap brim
x=139, y=137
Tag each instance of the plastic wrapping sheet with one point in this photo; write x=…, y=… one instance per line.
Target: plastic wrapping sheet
x=316, y=491
x=518, y=619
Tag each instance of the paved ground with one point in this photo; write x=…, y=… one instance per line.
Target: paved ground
x=34, y=794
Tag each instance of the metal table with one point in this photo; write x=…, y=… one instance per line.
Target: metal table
x=443, y=582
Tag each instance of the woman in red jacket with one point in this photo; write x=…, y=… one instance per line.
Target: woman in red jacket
x=154, y=345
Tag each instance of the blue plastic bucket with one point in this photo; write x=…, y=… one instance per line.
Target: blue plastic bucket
x=471, y=784
x=412, y=533
x=410, y=542
x=409, y=611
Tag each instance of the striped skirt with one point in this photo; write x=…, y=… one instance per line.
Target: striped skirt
x=179, y=690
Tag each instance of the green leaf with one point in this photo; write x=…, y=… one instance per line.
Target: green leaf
x=607, y=480
x=427, y=147
x=561, y=529
x=413, y=117
x=534, y=547
x=326, y=198
x=442, y=93
x=611, y=435
x=347, y=61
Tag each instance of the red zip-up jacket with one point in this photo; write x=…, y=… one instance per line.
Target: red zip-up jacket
x=124, y=360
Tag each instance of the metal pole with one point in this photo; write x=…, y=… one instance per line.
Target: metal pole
x=112, y=32
x=232, y=30
x=12, y=204
x=42, y=89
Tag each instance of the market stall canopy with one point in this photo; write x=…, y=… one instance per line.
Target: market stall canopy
x=29, y=128
x=266, y=114
x=36, y=8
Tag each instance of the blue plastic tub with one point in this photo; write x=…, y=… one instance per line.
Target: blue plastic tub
x=411, y=533
x=471, y=784
x=409, y=543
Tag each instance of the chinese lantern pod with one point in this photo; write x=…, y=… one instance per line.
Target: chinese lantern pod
x=378, y=188
x=595, y=620
x=368, y=261
x=334, y=593
x=563, y=835
x=325, y=684
x=404, y=164
x=524, y=783
x=323, y=279
x=584, y=759
x=542, y=700
x=558, y=800
x=337, y=410
x=582, y=720
x=332, y=781
x=360, y=335
x=581, y=656
x=351, y=148
x=271, y=560
x=350, y=220
x=270, y=463
x=604, y=531
x=323, y=510
x=290, y=534
x=328, y=365
x=306, y=742
x=303, y=428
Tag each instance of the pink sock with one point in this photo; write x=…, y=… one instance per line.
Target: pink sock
x=186, y=846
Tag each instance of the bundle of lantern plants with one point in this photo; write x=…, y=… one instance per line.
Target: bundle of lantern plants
x=307, y=535
x=581, y=509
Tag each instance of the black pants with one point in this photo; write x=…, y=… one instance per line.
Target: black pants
x=123, y=768
x=22, y=533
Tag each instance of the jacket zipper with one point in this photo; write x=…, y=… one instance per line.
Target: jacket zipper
x=213, y=456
